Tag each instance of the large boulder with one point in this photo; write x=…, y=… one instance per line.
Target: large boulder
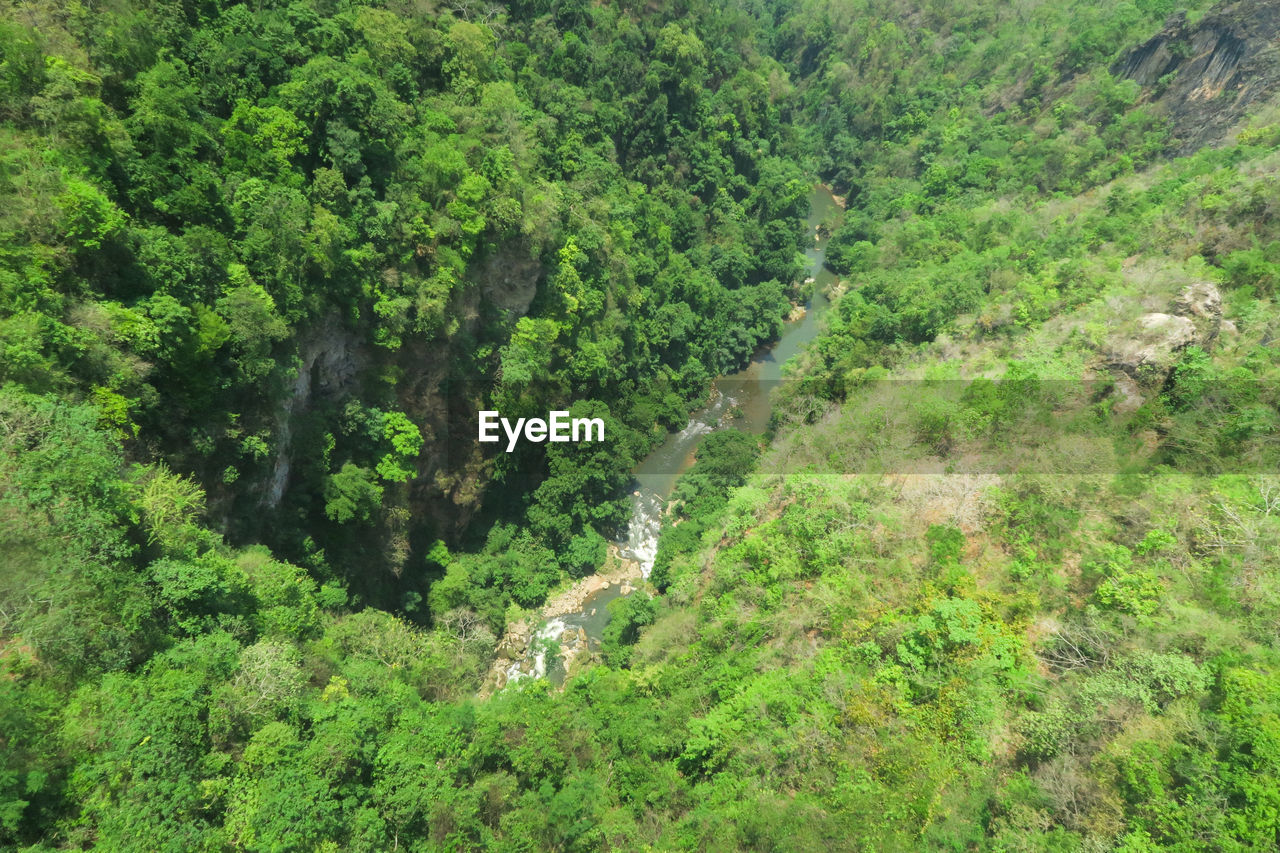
x=1201, y=303
x=1143, y=355
x=1147, y=354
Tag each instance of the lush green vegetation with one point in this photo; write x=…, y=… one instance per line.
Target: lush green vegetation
x=259, y=241
x=254, y=260
x=723, y=462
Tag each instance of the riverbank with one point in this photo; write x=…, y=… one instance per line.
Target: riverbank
x=514, y=648
x=838, y=199
x=563, y=633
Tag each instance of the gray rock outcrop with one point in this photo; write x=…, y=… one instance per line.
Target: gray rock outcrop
x=1209, y=74
x=1142, y=358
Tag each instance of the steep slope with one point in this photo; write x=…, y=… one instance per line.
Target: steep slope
x=290, y=251
x=1208, y=75
x=1005, y=578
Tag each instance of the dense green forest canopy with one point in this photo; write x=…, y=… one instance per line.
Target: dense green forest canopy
x=209, y=210
x=257, y=261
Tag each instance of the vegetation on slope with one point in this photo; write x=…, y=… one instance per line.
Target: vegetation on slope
x=287, y=249
x=939, y=612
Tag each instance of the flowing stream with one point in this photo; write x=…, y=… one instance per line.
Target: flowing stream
x=740, y=400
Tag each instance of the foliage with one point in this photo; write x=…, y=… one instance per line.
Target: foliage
x=962, y=599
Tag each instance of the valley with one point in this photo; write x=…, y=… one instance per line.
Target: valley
x=924, y=362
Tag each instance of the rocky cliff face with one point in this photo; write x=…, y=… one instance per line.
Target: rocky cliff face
x=330, y=356
x=452, y=472
x=335, y=361
x=1209, y=75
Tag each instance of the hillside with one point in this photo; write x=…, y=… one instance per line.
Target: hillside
x=1001, y=575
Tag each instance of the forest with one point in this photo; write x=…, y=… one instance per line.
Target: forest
x=1003, y=573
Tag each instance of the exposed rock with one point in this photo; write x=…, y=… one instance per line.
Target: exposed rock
x=1228, y=329
x=509, y=279
x=1209, y=75
x=1143, y=359
x=335, y=363
x=1201, y=303
x=1128, y=396
x=514, y=645
x=840, y=200
x=453, y=470
x=1149, y=355
x=329, y=355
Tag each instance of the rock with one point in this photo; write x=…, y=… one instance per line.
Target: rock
x=1201, y=303
x=1167, y=329
x=604, y=584
x=1149, y=355
x=1201, y=300
x=1207, y=74
x=1228, y=329
x=582, y=636
x=1143, y=360
x=1128, y=397
x=509, y=278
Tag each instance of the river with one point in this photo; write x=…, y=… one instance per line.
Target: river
x=740, y=400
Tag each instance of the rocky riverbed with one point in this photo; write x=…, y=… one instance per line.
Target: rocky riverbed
x=545, y=641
